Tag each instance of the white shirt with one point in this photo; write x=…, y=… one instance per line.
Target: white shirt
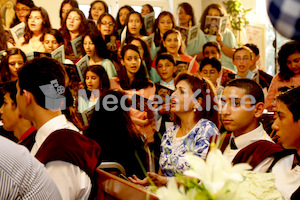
x=246, y=139
x=72, y=182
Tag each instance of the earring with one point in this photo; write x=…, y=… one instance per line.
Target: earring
x=195, y=110
x=190, y=23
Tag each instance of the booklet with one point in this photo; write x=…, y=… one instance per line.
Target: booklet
x=81, y=66
x=149, y=39
x=18, y=31
x=77, y=46
x=188, y=35
x=59, y=54
x=32, y=55
x=87, y=115
x=215, y=24
x=149, y=21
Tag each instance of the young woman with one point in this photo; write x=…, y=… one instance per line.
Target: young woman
x=96, y=82
x=97, y=8
x=132, y=78
x=106, y=25
x=74, y=26
x=226, y=40
x=65, y=7
x=95, y=47
x=172, y=43
x=146, y=9
x=289, y=74
x=12, y=60
x=164, y=22
x=135, y=25
x=195, y=123
x=52, y=39
x=121, y=17
x=186, y=18
x=22, y=10
x=37, y=22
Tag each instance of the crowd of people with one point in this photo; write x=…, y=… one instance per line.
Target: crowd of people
x=145, y=100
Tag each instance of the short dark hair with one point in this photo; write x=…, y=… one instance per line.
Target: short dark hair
x=291, y=99
x=165, y=56
x=243, y=48
x=38, y=72
x=212, y=44
x=215, y=63
x=253, y=47
x=251, y=87
x=11, y=88
x=55, y=33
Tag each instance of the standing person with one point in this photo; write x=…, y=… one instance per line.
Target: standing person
x=135, y=25
x=52, y=39
x=192, y=130
x=146, y=9
x=11, y=63
x=97, y=8
x=289, y=71
x=106, y=25
x=22, y=10
x=65, y=7
x=226, y=40
x=186, y=18
x=40, y=99
x=121, y=17
x=133, y=80
x=37, y=22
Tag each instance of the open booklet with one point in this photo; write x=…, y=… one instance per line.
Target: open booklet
x=58, y=54
x=188, y=35
x=149, y=21
x=215, y=24
x=87, y=115
x=77, y=46
x=18, y=31
x=81, y=66
x=149, y=39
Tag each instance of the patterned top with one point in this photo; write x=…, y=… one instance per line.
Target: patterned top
x=173, y=150
x=23, y=176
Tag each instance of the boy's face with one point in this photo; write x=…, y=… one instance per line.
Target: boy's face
x=9, y=113
x=238, y=111
x=165, y=69
x=242, y=61
x=211, y=52
x=285, y=126
x=211, y=73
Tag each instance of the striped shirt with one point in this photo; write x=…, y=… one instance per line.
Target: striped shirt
x=22, y=176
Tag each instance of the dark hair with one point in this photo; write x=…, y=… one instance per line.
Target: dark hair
x=46, y=23
x=243, y=48
x=165, y=56
x=157, y=38
x=11, y=88
x=212, y=44
x=146, y=56
x=98, y=1
x=142, y=30
x=3, y=38
x=189, y=10
x=285, y=51
x=99, y=43
x=215, y=63
x=104, y=15
x=103, y=77
x=118, y=24
x=253, y=47
x=140, y=78
x=39, y=72
x=4, y=69
x=216, y=6
x=251, y=88
x=28, y=3
x=58, y=36
x=149, y=6
x=73, y=3
x=291, y=99
x=163, y=48
x=209, y=110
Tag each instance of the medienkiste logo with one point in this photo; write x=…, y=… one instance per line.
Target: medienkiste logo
x=54, y=99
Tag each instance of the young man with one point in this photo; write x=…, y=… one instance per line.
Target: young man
x=213, y=50
x=166, y=67
x=12, y=119
x=70, y=158
x=254, y=67
x=287, y=127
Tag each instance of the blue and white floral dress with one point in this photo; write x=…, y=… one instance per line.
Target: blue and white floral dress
x=173, y=150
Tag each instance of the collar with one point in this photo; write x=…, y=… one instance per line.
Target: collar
x=248, y=138
x=27, y=133
x=249, y=75
x=169, y=85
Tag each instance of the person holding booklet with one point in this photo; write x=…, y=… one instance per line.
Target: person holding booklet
x=135, y=25
x=37, y=22
x=226, y=39
x=121, y=17
x=146, y=9
x=172, y=44
x=106, y=25
x=97, y=8
x=22, y=10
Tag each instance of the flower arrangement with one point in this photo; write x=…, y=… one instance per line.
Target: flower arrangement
x=219, y=181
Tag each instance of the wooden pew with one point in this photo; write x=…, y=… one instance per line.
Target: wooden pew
x=111, y=187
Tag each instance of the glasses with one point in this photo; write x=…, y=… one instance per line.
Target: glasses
x=22, y=10
x=242, y=58
x=109, y=24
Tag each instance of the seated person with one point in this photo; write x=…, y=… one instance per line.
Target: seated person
x=210, y=68
x=13, y=120
x=213, y=50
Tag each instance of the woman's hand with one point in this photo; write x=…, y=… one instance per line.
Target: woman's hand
x=158, y=180
x=219, y=39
